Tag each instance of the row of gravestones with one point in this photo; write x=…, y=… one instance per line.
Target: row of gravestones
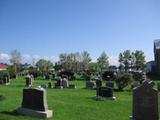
x=145, y=102
x=92, y=84
x=61, y=83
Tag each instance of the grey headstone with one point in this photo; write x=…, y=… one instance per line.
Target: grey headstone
x=145, y=102
x=65, y=83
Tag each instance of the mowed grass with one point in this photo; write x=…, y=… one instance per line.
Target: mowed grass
x=67, y=104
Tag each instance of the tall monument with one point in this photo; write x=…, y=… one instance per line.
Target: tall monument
x=157, y=55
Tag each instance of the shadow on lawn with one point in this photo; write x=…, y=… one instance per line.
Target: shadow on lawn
x=12, y=113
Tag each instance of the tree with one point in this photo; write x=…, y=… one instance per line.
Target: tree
x=123, y=79
x=103, y=62
x=121, y=64
x=125, y=60
x=15, y=59
x=44, y=65
x=85, y=60
x=139, y=60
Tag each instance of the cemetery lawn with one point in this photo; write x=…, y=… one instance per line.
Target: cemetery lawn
x=67, y=104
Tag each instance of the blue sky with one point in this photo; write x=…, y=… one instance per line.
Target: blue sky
x=50, y=27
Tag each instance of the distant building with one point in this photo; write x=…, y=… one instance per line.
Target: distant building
x=157, y=54
x=3, y=66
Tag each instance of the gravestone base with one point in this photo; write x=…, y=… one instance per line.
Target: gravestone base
x=104, y=98
x=34, y=113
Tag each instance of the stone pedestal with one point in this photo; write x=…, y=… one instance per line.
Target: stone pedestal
x=34, y=113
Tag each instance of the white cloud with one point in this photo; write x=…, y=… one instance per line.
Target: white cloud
x=27, y=58
x=4, y=58
x=113, y=60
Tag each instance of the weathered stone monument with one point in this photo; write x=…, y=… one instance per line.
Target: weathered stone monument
x=145, y=102
x=34, y=103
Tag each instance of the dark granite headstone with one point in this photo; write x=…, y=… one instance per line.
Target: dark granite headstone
x=28, y=82
x=34, y=103
x=50, y=85
x=59, y=82
x=105, y=92
x=145, y=102
x=98, y=83
x=34, y=99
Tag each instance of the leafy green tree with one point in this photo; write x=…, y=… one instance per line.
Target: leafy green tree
x=123, y=79
x=103, y=62
x=139, y=60
x=85, y=60
x=121, y=64
x=127, y=59
x=93, y=67
x=44, y=65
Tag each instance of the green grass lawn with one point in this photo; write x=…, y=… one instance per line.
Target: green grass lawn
x=67, y=104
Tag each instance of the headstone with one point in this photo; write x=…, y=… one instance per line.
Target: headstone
x=72, y=86
x=65, y=83
x=50, y=85
x=59, y=83
x=105, y=92
x=34, y=103
x=90, y=85
x=110, y=84
x=145, y=102
x=28, y=82
x=98, y=83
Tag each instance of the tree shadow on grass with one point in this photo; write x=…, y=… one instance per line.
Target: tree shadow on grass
x=12, y=113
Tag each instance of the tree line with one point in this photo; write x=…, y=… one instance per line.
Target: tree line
x=81, y=62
